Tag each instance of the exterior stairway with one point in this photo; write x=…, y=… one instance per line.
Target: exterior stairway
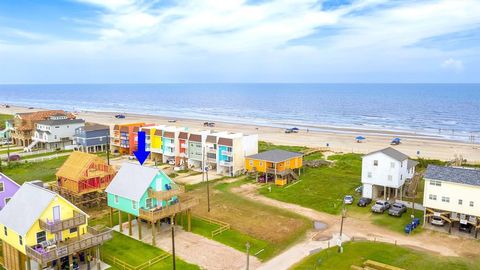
x=30, y=146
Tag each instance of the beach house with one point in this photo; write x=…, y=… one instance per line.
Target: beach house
x=38, y=225
x=384, y=173
x=5, y=134
x=8, y=188
x=182, y=158
x=92, y=138
x=56, y=132
x=24, y=125
x=279, y=166
x=232, y=150
x=153, y=141
x=82, y=179
x=197, y=149
x=125, y=138
x=146, y=194
x=452, y=194
x=211, y=144
x=171, y=145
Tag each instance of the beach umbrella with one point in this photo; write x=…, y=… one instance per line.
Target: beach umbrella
x=359, y=138
x=396, y=139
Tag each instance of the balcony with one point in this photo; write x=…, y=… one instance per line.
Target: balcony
x=226, y=153
x=225, y=163
x=58, y=250
x=60, y=225
x=183, y=145
x=166, y=194
x=168, y=211
x=211, y=150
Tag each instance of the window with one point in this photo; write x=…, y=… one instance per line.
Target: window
x=5, y=230
x=471, y=203
x=134, y=205
x=390, y=178
x=432, y=197
x=401, y=176
x=261, y=163
x=20, y=240
x=251, y=162
x=1, y=187
x=73, y=230
x=460, y=202
x=41, y=237
x=435, y=183
x=392, y=165
x=115, y=198
x=149, y=203
x=369, y=174
x=446, y=199
x=375, y=163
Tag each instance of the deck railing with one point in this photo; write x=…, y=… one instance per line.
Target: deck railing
x=168, y=211
x=91, y=239
x=60, y=225
x=167, y=194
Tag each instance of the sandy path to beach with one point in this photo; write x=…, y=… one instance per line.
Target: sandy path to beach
x=441, y=243
x=338, y=141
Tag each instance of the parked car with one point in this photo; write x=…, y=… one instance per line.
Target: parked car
x=295, y=130
x=288, y=130
x=171, y=161
x=467, y=227
x=363, y=202
x=172, y=120
x=348, y=199
x=380, y=206
x=208, y=124
x=397, y=209
x=131, y=157
x=120, y=116
x=438, y=221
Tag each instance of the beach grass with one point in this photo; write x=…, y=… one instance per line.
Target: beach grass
x=266, y=146
x=356, y=253
x=322, y=188
x=135, y=253
x=43, y=170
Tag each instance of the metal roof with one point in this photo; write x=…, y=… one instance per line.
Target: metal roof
x=4, y=177
x=93, y=127
x=132, y=181
x=276, y=155
x=53, y=122
x=26, y=207
x=391, y=152
x=466, y=176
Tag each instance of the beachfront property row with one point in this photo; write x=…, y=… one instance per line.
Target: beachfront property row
x=222, y=152
x=56, y=129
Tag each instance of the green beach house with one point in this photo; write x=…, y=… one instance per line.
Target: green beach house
x=147, y=194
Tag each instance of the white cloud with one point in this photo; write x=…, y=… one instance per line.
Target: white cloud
x=452, y=64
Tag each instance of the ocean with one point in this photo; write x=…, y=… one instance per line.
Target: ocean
x=441, y=110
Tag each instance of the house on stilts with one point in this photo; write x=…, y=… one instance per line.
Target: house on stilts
x=83, y=178
x=147, y=194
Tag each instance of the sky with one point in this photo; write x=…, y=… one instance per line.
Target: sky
x=197, y=41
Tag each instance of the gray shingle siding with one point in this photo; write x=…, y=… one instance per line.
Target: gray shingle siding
x=92, y=137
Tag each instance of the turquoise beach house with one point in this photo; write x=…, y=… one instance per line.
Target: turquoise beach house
x=147, y=194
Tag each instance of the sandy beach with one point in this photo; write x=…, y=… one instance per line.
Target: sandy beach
x=338, y=139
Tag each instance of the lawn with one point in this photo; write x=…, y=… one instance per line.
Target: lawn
x=44, y=170
x=3, y=118
x=356, y=253
x=265, y=227
x=322, y=188
x=135, y=252
x=265, y=146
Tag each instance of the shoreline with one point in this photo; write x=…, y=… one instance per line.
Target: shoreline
x=339, y=139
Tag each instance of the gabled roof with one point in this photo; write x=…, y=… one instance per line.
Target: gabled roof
x=169, y=134
x=26, y=207
x=76, y=164
x=466, y=176
x=132, y=181
x=183, y=135
x=275, y=155
x=225, y=141
x=94, y=127
x=4, y=177
x=391, y=152
x=195, y=138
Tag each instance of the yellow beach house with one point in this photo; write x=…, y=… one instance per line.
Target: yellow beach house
x=279, y=166
x=39, y=229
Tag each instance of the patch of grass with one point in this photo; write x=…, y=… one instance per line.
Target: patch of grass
x=12, y=151
x=267, y=227
x=424, y=162
x=46, y=154
x=313, y=156
x=135, y=252
x=44, y=170
x=172, y=175
x=356, y=253
x=322, y=188
x=3, y=118
x=265, y=146
x=105, y=219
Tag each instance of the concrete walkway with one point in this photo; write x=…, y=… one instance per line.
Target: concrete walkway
x=194, y=248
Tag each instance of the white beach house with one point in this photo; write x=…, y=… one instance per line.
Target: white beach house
x=57, y=132
x=384, y=173
x=453, y=194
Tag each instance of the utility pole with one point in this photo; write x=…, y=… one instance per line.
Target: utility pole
x=108, y=149
x=247, y=245
x=173, y=242
x=344, y=212
x=205, y=174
